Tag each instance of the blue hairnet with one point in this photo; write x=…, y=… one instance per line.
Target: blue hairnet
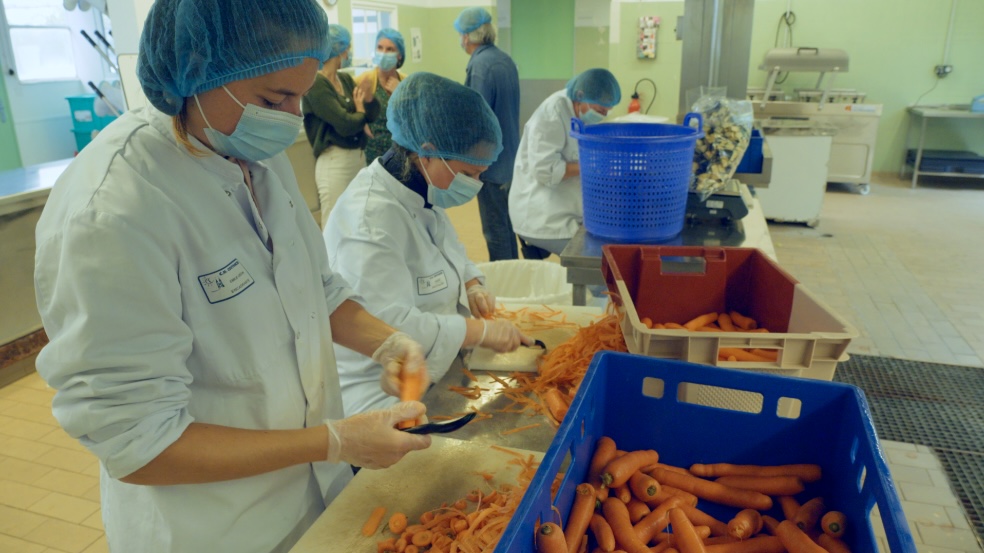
x=397, y=39
x=190, y=46
x=471, y=19
x=595, y=86
x=340, y=39
x=452, y=120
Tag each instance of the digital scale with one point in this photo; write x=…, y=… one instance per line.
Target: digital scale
x=727, y=205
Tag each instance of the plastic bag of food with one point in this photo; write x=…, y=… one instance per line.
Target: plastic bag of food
x=727, y=131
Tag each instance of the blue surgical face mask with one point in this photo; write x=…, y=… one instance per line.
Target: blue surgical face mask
x=386, y=62
x=260, y=134
x=461, y=190
x=347, y=61
x=592, y=117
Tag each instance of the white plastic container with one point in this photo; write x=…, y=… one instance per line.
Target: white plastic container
x=528, y=281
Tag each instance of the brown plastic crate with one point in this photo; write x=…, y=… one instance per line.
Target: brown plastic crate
x=809, y=338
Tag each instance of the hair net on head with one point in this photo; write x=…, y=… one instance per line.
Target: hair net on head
x=471, y=19
x=190, y=46
x=340, y=39
x=437, y=117
x=595, y=86
x=397, y=39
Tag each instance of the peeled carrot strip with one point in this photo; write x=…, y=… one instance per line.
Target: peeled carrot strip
x=724, y=321
x=742, y=355
x=743, y=322
x=700, y=321
x=372, y=523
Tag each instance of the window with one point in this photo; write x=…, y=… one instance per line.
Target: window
x=367, y=20
x=41, y=40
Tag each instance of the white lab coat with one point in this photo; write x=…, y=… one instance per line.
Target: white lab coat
x=164, y=306
x=542, y=203
x=408, y=264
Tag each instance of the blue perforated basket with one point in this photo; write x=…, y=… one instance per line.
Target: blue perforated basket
x=635, y=177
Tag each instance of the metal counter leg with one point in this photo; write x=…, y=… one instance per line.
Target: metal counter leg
x=919, y=152
x=580, y=294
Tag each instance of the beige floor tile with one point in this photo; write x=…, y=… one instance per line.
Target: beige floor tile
x=94, y=521
x=958, y=518
x=19, y=448
x=70, y=483
x=18, y=522
x=27, y=411
x=927, y=514
x=916, y=475
x=913, y=459
x=21, y=496
x=64, y=507
x=923, y=548
x=954, y=538
x=6, y=405
x=30, y=396
x=10, y=544
x=60, y=438
x=93, y=469
x=99, y=546
x=927, y=494
x=20, y=428
x=64, y=536
x=92, y=494
x=899, y=446
x=18, y=470
x=67, y=459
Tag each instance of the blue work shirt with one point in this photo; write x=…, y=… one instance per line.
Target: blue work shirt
x=493, y=74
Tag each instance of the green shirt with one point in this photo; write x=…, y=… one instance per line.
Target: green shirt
x=330, y=118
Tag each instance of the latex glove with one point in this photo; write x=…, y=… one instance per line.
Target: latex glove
x=369, y=440
x=481, y=302
x=397, y=351
x=502, y=336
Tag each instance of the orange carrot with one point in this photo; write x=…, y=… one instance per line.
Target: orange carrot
x=398, y=523
x=618, y=471
x=700, y=321
x=709, y=328
x=795, y=540
x=687, y=540
x=681, y=470
x=647, y=321
x=745, y=524
x=643, y=486
x=789, y=506
x=556, y=404
x=700, y=518
x=659, y=326
x=411, y=548
x=714, y=540
x=770, y=524
x=712, y=491
x=422, y=538
x=372, y=523
x=724, y=321
x=832, y=544
x=666, y=492
x=809, y=513
x=674, y=326
x=742, y=355
x=637, y=510
x=805, y=472
x=762, y=544
x=604, y=452
x=767, y=353
x=833, y=523
x=411, y=389
x=617, y=516
x=580, y=516
x=623, y=493
x=743, y=322
x=656, y=521
x=386, y=546
x=602, y=532
x=550, y=539
x=703, y=532
x=769, y=485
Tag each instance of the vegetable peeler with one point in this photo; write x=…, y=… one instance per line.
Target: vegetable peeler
x=442, y=427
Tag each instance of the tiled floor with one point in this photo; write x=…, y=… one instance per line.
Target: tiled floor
x=902, y=265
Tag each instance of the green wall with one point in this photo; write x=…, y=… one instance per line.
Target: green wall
x=9, y=152
x=543, y=38
x=442, y=53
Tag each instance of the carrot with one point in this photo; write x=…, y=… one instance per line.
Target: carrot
x=767, y=353
x=580, y=516
x=687, y=540
x=833, y=524
x=411, y=548
x=832, y=544
x=743, y=322
x=805, y=472
x=745, y=524
x=700, y=321
x=724, y=321
x=656, y=521
x=809, y=513
x=712, y=491
x=623, y=493
x=556, y=404
x=703, y=532
x=550, y=539
x=603, y=453
x=700, y=518
x=386, y=546
x=602, y=533
x=398, y=523
x=372, y=523
x=709, y=328
x=637, y=510
x=665, y=492
x=718, y=539
x=647, y=321
x=411, y=389
x=674, y=326
x=422, y=538
x=617, y=516
x=643, y=486
x=769, y=485
x=769, y=524
x=741, y=355
x=795, y=540
x=619, y=470
x=659, y=326
x=681, y=470
x=789, y=506
x=761, y=544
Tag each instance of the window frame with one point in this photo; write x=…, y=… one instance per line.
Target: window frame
x=379, y=7
x=9, y=40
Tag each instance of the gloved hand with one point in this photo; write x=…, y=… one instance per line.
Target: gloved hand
x=369, y=440
x=480, y=301
x=502, y=336
x=397, y=351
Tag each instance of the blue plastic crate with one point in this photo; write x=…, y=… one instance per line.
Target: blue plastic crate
x=752, y=161
x=633, y=399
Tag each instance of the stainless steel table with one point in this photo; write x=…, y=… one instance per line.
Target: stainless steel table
x=582, y=256
x=924, y=114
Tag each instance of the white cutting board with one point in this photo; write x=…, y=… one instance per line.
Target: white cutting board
x=421, y=481
x=524, y=359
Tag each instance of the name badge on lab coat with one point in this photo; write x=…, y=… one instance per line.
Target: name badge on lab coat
x=433, y=283
x=228, y=282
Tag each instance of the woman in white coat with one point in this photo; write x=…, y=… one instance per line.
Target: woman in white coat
x=545, y=198
x=391, y=238
x=189, y=303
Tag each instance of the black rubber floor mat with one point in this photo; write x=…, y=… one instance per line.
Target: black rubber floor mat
x=940, y=406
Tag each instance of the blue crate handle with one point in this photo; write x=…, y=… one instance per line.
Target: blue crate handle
x=577, y=126
x=690, y=117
